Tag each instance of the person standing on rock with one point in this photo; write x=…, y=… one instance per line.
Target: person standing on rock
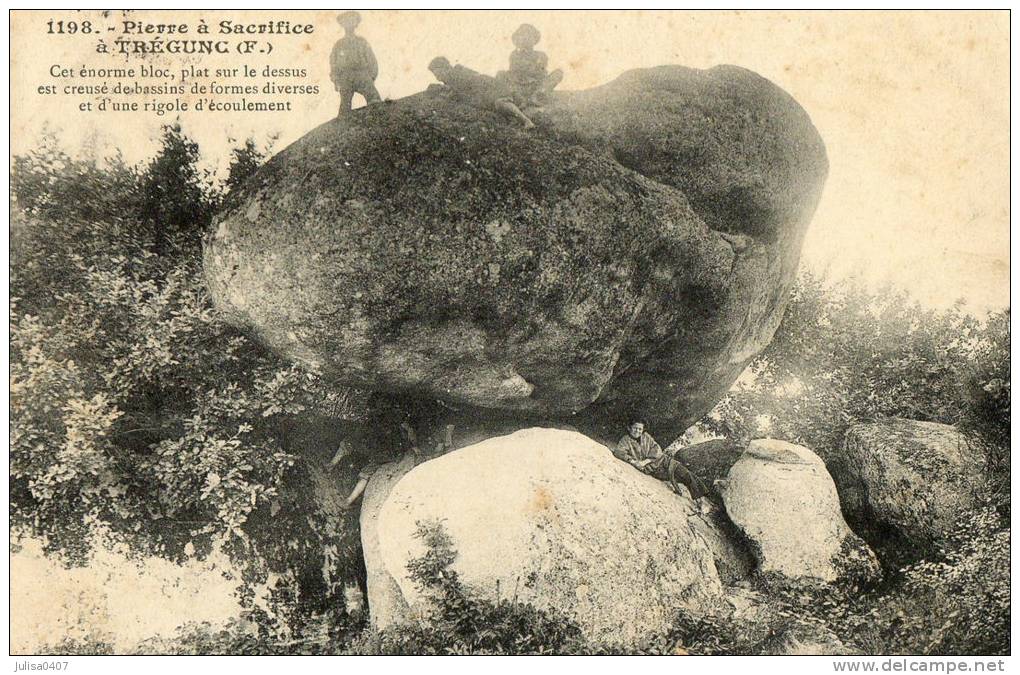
x=352, y=65
x=528, y=75
x=639, y=449
x=477, y=89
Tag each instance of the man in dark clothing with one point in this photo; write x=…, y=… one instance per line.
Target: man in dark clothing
x=528, y=75
x=352, y=65
x=639, y=449
x=477, y=89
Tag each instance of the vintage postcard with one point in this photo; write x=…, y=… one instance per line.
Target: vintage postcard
x=378, y=332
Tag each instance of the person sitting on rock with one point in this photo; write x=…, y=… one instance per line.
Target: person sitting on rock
x=352, y=65
x=477, y=89
x=527, y=75
x=639, y=449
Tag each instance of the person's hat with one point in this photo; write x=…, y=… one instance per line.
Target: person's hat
x=526, y=34
x=439, y=62
x=349, y=19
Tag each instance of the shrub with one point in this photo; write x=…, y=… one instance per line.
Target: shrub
x=133, y=405
x=987, y=416
x=844, y=354
x=49, y=184
x=244, y=637
x=176, y=201
x=959, y=605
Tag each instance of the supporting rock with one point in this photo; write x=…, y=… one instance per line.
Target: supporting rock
x=552, y=518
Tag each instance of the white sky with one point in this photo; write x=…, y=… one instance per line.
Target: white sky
x=913, y=107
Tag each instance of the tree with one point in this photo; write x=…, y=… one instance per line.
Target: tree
x=987, y=416
x=176, y=201
x=843, y=355
x=244, y=161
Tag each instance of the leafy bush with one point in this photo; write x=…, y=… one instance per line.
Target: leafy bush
x=244, y=161
x=165, y=204
x=176, y=201
x=132, y=405
x=844, y=354
x=79, y=647
x=960, y=605
x=715, y=635
x=987, y=417
x=48, y=183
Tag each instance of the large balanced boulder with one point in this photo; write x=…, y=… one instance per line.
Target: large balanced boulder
x=549, y=517
x=912, y=480
x=633, y=252
x=783, y=499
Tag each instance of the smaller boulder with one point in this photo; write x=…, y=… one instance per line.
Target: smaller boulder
x=784, y=501
x=912, y=480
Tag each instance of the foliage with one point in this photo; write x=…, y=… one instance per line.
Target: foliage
x=715, y=635
x=166, y=203
x=132, y=405
x=244, y=161
x=49, y=184
x=175, y=200
x=960, y=605
x=79, y=647
x=987, y=417
x=243, y=637
x=844, y=355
